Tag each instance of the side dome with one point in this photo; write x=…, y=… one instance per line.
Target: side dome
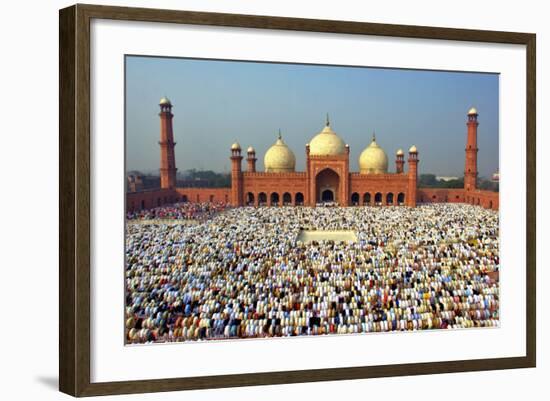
x=279, y=158
x=327, y=143
x=373, y=159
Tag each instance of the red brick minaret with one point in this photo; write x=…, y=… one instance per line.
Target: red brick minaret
x=167, y=159
x=413, y=174
x=399, y=161
x=236, y=175
x=470, y=169
x=251, y=159
x=309, y=201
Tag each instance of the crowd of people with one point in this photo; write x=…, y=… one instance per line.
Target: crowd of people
x=242, y=273
x=179, y=211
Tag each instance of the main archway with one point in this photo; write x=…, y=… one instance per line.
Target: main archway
x=327, y=185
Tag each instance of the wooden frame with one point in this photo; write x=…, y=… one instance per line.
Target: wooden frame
x=74, y=199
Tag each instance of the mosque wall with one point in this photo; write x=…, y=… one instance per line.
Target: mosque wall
x=204, y=194
x=274, y=188
x=149, y=199
x=381, y=189
x=486, y=199
x=439, y=195
x=290, y=188
x=160, y=197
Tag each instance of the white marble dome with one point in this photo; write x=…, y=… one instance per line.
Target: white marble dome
x=327, y=143
x=373, y=160
x=279, y=158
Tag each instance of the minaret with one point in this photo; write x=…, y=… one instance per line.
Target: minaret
x=470, y=169
x=167, y=158
x=236, y=175
x=251, y=159
x=399, y=161
x=308, y=200
x=413, y=172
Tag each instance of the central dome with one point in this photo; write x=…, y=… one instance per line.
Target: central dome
x=279, y=158
x=327, y=143
x=373, y=159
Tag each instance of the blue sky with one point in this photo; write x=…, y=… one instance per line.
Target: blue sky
x=218, y=102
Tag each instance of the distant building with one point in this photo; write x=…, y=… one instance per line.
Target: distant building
x=446, y=179
x=495, y=177
x=135, y=183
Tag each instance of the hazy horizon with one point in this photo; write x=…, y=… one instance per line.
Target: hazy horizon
x=219, y=102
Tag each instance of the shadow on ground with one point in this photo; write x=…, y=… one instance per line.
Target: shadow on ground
x=48, y=381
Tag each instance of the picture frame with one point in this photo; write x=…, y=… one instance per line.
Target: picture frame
x=75, y=207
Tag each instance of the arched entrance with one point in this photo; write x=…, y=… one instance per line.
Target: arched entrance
x=378, y=199
x=274, y=199
x=262, y=199
x=250, y=199
x=299, y=199
x=401, y=198
x=287, y=199
x=327, y=184
x=366, y=198
x=355, y=199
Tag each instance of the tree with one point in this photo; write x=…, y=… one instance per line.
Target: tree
x=427, y=180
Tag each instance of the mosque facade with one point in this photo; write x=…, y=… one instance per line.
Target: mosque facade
x=327, y=178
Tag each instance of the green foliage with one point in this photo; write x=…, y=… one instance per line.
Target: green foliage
x=430, y=181
x=206, y=178
x=427, y=180
x=488, y=185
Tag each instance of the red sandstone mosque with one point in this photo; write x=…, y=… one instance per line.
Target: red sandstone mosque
x=326, y=179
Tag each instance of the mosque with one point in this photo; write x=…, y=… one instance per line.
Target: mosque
x=327, y=178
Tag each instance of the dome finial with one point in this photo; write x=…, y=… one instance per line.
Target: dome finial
x=280, y=136
x=328, y=121
x=373, y=136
